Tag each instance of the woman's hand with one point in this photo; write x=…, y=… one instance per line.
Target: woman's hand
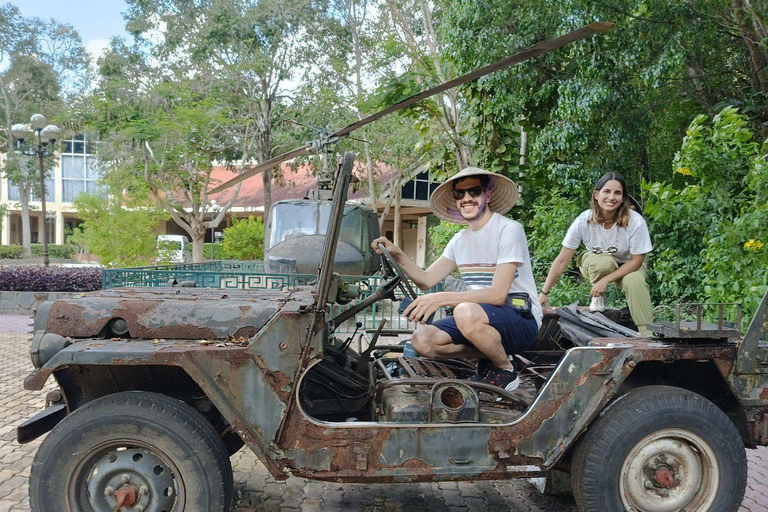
x=543, y=297
x=599, y=288
x=422, y=308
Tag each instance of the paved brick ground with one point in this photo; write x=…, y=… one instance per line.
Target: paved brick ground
x=257, y=491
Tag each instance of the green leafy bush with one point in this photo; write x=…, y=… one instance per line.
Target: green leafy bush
x=711, y=232
x=62, y=252
x=553, y=214
x=221, y=252
x=244, y=240
x=439, y=236
x=11, y=252
x=120, y=237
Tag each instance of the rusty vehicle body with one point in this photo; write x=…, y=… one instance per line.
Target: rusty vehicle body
x=265, y=369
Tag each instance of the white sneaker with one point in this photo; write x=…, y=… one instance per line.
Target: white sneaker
x=597, y=304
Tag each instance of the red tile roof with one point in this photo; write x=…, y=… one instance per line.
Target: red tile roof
x=293, y=184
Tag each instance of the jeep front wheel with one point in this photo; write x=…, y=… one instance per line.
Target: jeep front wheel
x=660, y=449
x=134, y=451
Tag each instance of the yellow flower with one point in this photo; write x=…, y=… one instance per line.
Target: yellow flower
x=684, y=171
x=753, y=244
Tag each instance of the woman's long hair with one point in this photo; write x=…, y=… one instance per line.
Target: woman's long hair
x=622, y=212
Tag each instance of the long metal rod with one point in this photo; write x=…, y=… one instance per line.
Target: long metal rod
x=325, y=272
x=44, y=229
x=529, y=53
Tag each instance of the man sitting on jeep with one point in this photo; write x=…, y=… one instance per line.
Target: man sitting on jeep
x=499, y=314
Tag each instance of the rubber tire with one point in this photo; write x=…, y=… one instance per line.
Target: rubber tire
x=599, y=455
x=167, y=424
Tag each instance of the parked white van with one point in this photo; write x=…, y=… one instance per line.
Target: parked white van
x=173, y=249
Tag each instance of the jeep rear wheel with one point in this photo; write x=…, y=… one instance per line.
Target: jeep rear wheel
x=136, y=450
x=660, y=449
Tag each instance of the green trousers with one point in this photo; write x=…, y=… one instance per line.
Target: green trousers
x=596, y=266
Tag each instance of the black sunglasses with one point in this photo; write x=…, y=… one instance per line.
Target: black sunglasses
x=458, y=193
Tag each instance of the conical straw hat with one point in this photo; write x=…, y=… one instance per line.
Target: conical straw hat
x=503, y=196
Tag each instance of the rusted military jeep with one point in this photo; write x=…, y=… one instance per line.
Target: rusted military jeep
x=158, y=387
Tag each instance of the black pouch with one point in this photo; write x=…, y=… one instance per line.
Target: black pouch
x=521, y=302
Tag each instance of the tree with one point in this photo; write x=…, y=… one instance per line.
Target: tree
x=244, y=50
x=120, y=237
x=440, y=120
x=43, y=59
x=244, y=240
x=160, y=140
x=619, y=101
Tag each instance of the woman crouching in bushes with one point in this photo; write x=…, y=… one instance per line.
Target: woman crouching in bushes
x=617, y=240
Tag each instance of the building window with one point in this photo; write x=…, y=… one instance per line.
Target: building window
x=420, y=187
x=15, y=195
x=79, y=169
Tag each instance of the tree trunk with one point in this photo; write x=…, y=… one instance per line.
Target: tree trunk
x=198, y=248
x=752, y=33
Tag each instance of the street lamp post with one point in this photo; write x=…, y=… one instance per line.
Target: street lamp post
x=50, y=216
x=215, y=207
x=43, y=138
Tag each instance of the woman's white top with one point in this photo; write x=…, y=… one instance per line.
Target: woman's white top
x=621, y=243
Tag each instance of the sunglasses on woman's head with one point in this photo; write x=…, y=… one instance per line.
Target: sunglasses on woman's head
x=458, y=193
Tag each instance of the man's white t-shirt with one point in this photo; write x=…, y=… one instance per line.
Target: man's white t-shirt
x=619, y=242
x=477, y=253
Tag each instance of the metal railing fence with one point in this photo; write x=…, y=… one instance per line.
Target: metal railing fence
x=248, y=275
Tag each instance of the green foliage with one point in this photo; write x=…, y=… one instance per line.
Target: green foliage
x=244, y=240
x=619, y=101
x=61, y=252
x=710, y=232
x=11, y=252
x=678, y=224
x=439, y=236
x=552, y=215
x=120, y=237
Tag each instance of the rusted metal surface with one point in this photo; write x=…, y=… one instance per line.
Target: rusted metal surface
x=167, y=313
x=750, y=354
x=549, y=337
x=255, y=384
x=585, y=380
x=126, y=496
x=249, y=382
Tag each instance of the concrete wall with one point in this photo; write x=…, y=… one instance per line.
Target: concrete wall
x=25, y=303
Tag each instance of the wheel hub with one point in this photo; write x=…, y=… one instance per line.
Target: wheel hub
x=668, y=471
x=663, y=476
x=126, y=496
x=131, y=480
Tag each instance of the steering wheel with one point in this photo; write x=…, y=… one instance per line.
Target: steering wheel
x=392, y=269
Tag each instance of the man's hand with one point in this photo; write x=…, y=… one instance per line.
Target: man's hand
x=389, y=246
x=599, y=288
x=543, y=298
x=422, y=308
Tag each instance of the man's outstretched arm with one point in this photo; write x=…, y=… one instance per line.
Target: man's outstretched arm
x=424, y=279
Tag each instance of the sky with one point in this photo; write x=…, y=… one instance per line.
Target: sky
x=96, y=20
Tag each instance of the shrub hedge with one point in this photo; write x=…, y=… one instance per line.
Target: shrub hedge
x=11, y=252
x=62, y=252
x=49, y=279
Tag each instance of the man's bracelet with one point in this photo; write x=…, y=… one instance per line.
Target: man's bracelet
x=545, y=293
